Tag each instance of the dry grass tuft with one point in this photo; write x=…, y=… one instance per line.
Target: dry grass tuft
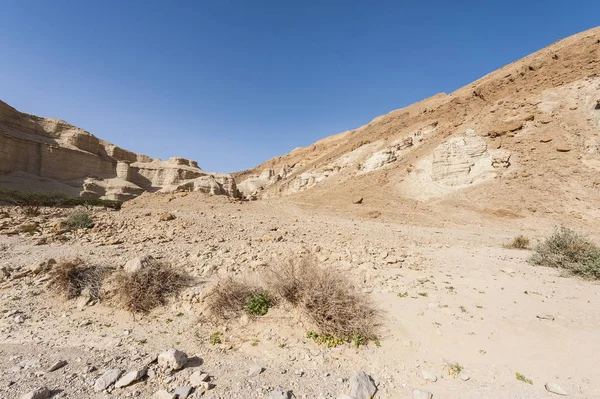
x=326, y=298
x=150, y=287
x=570, y=251
x=71, y=277
x=519, y=242
x=229, y=297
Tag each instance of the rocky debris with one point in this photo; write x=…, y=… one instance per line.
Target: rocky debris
x=362, y=386
x=166, y=217
x=163, y=394
x=40, y=393
x=419, y=394
x=198, y=378
x=172, y=359
x=255, y=370
x=138, y=263
x=555, y=388
x=429, y=375
x=183, y=392
x=109, y=377
x=357, y=200
x=131, y=377
x=57, y=365
x=505, y=127
x=279, y=393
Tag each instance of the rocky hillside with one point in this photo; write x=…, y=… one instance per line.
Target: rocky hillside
x=521, y=140
x=52, y=155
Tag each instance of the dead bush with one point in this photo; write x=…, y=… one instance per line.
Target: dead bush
x=229, y=297
x=326, y=297
x=519, y=242
x=150, y=287
x=570, y=251
x=71, y=277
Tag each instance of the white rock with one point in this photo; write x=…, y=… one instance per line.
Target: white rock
x=429, y=375
x=162, y=394
x=172, y=359
x=279, y=393
x=138, y=263
x=361, y=386
x=197, y=378
x=555, y=388
x=131, y=377
x=256, y=369
x=41, y=393
x=57, y=365
x=418, y=394
x=107, y=379
x=183, y=392
x=464, y=376
x=345, y=397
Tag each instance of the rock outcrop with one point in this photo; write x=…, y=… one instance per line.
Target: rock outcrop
x=52, y=155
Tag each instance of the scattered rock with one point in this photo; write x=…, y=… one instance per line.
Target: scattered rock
x=546, y=140
x=59, y=364
x=419, y=394
x=357, y=200
x=555, y=388
x=138, y=263
x=172, y=359
x=131, y=377
x=429, y=375
x=255, y=370
x=162, y=394
x=563, y=149
x=197, y=378
x=107, y=379
x=41, y=393
x=165, y=217
x=279, y=393
x=362, y=386
x=183, y=392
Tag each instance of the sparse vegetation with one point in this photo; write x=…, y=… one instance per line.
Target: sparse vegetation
x=424, y=294
x=403, y=294
x=216, y=338
x=150, y=287
x=71, y=277
x=32, y=200
x=522, y=378
x=230, y=297
x=258, y=304
x=454, y=369
x=80, y=220
x=569, y=251
x=335, y=308
x=519, y=242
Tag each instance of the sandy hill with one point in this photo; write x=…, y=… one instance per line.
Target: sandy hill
x=43, y=154
x=520, y=141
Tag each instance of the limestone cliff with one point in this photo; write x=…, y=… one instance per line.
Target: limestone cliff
x=46, y=154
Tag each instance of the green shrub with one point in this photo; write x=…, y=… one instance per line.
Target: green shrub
x=80, y=220
x=569, y=251
x=258, y=304
x=53, y=199
x=216, y=338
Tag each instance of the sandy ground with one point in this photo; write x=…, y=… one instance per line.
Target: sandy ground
x=469, y=301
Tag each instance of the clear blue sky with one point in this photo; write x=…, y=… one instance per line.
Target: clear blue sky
x=234, y=83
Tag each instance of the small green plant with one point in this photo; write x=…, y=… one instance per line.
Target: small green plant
x=519, y=242
x=255, y=342
x=282, y=345
x=522, y=378
x=454, y=369
x=169, y=321
x=216, y=338
x=482, y=351
x=358, y=340
x=80, y=220
x=143, y=341
x=258, y=304
x=403, y=294
x=424, y=294
x=179, y=314
x=463, y=309
x=325, y=339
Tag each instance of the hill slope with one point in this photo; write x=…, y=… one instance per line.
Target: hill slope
x=521, y=140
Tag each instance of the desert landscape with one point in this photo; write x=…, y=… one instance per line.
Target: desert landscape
x=443, y=250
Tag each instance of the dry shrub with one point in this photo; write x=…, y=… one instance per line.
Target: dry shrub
x=519, y=242
x=570, y=251
x=150, y=287
x=326, y=297
x=71, y=277
x=229, y=297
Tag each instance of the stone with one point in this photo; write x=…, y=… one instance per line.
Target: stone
x=172, y=359
x=464, y=376
x=107, y=379
x=255, y=370
x=163, y=394
x=429, y=375
x=197, y=378
x=362, y=386
x=279, y=393
x=555, y=388
x=183, y=392
x=345, y=397
x=165, y=217
x=419, y=394
x=131, y=377
x=357, y=200
x=546, y=140
x=57, y=365
x=563, y=148
x=41, y=393
x=139, y=263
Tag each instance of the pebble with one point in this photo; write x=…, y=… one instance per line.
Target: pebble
x=361, y=386
x=183, y=392
x=464, y=376
x=555, y=388
x=256, y=369
x=41, y=393
x=172, y=359
x=279, y=393
x=162, y=394
x=107, y=379
x=59, y=364
x=131, y=377
x=197, y=378
x=419, y=394
x=429, y=375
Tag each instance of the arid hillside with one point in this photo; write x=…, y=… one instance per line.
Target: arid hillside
x=523, y=140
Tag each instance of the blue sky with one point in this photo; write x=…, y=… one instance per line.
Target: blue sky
x=234, y=83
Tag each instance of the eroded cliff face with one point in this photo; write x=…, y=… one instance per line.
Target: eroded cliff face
x=45, y=154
